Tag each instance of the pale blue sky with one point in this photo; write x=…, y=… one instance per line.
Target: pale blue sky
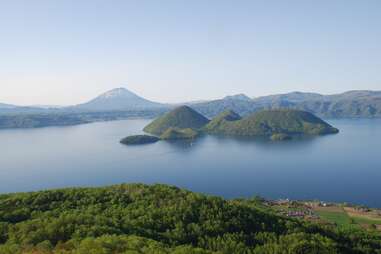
x=65, y=52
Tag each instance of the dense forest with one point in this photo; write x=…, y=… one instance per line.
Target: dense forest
x=136, y=218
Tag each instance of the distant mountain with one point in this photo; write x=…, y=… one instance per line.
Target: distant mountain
x=268, y=123
x=293, y=97
x=351, y=104
x=116, y=104
x=13, y=109
x=48, y=106
x=182, y=118
x=357, y=94
x=6, y=106
x=242, y=97
x=215, y=107
x=118, y=99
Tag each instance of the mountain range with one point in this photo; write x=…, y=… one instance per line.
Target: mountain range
x=351, y=104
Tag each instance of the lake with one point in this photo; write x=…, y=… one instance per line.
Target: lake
x=345, y=167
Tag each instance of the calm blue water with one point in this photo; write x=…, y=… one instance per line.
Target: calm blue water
x=342, y=167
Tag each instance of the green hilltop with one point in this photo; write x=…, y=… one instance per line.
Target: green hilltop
x=268, y=123
x=182, y=118
x=160, y=219
x=221, y=120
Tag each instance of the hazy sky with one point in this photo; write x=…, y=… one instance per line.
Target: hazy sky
x=66, y=52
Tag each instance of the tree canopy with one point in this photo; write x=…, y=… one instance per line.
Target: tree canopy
x=136, y=218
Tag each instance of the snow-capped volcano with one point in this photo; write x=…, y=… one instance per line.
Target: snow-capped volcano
x=117, y=92
x=118, y=99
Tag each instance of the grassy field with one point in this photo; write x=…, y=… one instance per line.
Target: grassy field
x=363, y=217
x=342, y=217
x=363, y=220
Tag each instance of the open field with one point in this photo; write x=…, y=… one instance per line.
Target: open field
x=339, y=217
x=345, y=216
x=363, y=217
x=333, y=213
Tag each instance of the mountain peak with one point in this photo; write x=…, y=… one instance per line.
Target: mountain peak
x=241, y=96
x=118, y=92
x=119, y=99
x=182, y=117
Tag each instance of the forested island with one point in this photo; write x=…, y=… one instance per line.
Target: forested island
x=137, y=218
x=277, y=125
x=139, y=139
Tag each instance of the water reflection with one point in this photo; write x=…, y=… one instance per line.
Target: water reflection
x=342, y=167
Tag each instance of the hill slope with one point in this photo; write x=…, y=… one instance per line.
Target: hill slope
x=269, y=122
x=221, y=120
x=136, y=218
x=182, y=117
x=175, y=133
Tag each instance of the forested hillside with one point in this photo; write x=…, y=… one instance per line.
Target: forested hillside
x=182, y=117
x=135, y=218
x=269, y=122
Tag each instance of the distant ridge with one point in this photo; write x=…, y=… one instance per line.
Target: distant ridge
x=351, y=104
x=290, y=97
x=242, y=97
x=118, y=99
x=7, y=106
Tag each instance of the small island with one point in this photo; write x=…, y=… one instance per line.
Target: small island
x=276, y=125
x=139, y=140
